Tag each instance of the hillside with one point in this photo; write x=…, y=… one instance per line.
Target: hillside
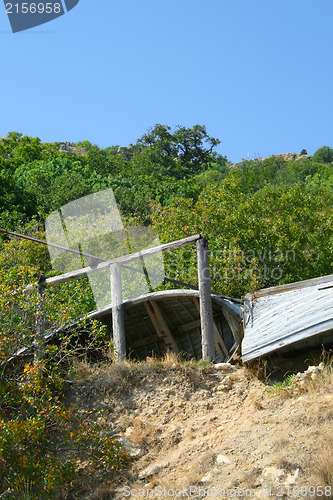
x=268, y=222
x=195, y=430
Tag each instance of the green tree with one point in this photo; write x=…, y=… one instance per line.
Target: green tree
x=179, y=153
x=324, y=154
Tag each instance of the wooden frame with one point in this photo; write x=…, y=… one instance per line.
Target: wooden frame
x=205, y=300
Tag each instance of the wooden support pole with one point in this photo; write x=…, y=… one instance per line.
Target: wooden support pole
x=118, y=322
x=40, y=321
x=206, y=309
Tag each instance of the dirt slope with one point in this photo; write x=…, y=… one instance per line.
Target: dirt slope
x=207, y=431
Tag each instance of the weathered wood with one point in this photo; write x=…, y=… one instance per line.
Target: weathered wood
x=219, y=343
x=38, y=342
x=234, y=324
x=293, y=286
x=189, y=326
x=146, y=341
x=289, y=319
x=85, y=271
x=118, y=321
x=206, y=309
x=161, y=325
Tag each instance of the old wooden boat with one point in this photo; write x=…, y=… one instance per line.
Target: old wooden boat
x=288, y=317
x=170, y=320
x=158, y=322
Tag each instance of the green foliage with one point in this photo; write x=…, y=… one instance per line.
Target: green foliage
x=287, y=383
x=268, y=222
x=275, y=236
x=181, y=153
x=43, y=442
x=87, y=146
x=324, y=154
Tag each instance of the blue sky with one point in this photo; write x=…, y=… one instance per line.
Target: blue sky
x=256, y=73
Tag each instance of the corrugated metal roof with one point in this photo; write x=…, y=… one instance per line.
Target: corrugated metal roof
x=292, y=315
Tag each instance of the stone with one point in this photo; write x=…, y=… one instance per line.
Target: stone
x=223, y=366
x=152, y=469
x=169, y=392
x=208, y=478
x=222, y=459
x=131, y=449
x=273, y=474
x=291, y=479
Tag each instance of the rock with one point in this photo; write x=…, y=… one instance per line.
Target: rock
x=130, y=448
x=223, y=366
x=311, y=373
x=273, y=474
x=208, y=478
x=222, y=459
x=222, y=388
x=225, y=385
x=292, y=478
x=152, y=469
x=169, y=392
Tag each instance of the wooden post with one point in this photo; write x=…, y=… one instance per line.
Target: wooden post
x=40, y=320
x=206, y=309
x=118, y=322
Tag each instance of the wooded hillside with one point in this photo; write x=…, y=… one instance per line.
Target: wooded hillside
x=268, y=221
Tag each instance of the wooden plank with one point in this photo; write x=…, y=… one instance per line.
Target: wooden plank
x=206, y=309
x=118, y=321
x=161, y=325
x=219, y=344
x=291, y=286
x=38, y=343
x=234, y=325
x=146, y=341
x=285, y=319
x=188, y=326
x=85, y=271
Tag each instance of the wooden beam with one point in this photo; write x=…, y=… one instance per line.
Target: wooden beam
x=206, y=309
x=118, y=321
x=85, y=271
x=218, y=341
x=219, y=344
x=188, y=326
x=161, y=325
x=39, y=341
x=144, y=342
x=235, y=326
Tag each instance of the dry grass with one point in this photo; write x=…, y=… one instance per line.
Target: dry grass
x=323, y=463
x=151, y=423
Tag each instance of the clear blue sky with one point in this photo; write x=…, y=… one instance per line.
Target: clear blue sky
x=257, y=73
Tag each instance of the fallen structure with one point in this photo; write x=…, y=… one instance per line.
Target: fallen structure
x=288, y=317
x=170, y=320
x=196, y=323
